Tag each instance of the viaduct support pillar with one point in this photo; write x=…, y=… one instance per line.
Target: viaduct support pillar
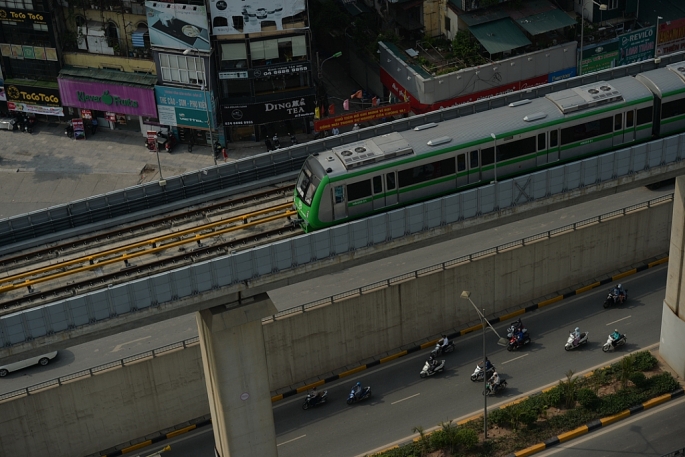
x=235, y=367
x=672, y=347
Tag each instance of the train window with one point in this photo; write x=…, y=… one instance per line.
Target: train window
x=390, y=181
x=629, y=118
x=541, y=142
x=427, y=172
x=644, y=115
x=339, y=194
x=618, y=122
x=487, y=156
x=359, y=190
x=672, y=109
x=516, y=149
x=474, y=160
x=587, y=130
x=377, y=184
x=461, y=162
x=553, y=138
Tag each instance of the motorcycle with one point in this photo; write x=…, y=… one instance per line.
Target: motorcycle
x=166, y=140
x=428, y=371
x=363, y=395
x=439, y=350
x=478, y=374
x=515, y=327
x=611, y=344
x=489, y=390
x=514, y=342
x=613, y=298
x=313, y=399
x=582, y=340
x=293, y=140
x=69, y=130
x=29, y=123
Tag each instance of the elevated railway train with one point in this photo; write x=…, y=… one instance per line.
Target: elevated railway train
x=401, y=168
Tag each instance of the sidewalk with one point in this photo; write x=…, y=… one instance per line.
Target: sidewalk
x=46, y=167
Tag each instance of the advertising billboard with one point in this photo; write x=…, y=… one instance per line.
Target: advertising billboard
x=599, y=56
x=102, y=96
x=637, y=46
x=263, y=113
x=362, y=116
x=184, y=107
x=230, y=17
x=177, y=25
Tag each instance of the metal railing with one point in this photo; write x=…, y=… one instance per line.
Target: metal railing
x=469, y=257
x=100, y=368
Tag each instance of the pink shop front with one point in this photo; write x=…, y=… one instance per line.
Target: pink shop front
x=124, y=106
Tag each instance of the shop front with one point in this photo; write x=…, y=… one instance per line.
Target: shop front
x=257, y=121
x=42, y=100
x=114, y=102
x=188, y=112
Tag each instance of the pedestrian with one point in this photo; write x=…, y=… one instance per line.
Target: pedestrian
x=225, y=153
x=356, y=127
x=335, y=131
x=269, y=146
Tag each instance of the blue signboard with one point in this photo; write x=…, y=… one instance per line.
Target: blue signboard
x=562, y=74
x=184, y=107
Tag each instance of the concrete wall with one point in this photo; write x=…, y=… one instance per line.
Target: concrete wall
x=110, y=409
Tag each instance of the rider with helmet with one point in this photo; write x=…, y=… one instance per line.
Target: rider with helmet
x=433, y=363
x=494, y=381
x=576, y=336
x=615, y=337
x=357, y=389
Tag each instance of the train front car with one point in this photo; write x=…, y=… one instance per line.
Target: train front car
x=307, y=196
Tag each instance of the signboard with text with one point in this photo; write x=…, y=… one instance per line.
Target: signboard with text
x=362, y=116
x=274, y=111
x=178, y=26
x=230, y=17
x=637, y=46
x=32, y=95
x=600, y=56
x=184, y=107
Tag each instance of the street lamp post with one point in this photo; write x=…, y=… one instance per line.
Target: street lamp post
x=159, y=164
x=207, y=96
x=466, y=295
x=334, y=56
x=656, y=42
x=602, y=7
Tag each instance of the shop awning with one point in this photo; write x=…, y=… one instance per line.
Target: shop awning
x=500, y=36
x=545, y=22
x=355, y=7
x=137, y=37
x=117, y=77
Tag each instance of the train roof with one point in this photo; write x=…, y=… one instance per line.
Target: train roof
x=666, y=80
x=477, y=127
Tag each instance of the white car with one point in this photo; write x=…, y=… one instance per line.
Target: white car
x=40, y=360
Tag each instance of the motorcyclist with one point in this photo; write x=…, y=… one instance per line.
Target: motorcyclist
x=443, y=342
x=576, y=336
x=615, y=337
x=519, y=336
x=316, y=395
x=432, y=363
x=621, y=293
x=488, y=365
x=494, y=381
x=357, y=390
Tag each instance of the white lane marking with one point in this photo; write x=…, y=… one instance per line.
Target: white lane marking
x=290, y=441
x=118, y=347
x=411, y=396
x=519, y=357
x=627, y=317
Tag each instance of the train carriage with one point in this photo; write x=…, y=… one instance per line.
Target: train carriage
x=397, y=169
x=668, y=85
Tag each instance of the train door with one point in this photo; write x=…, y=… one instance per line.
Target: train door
x=474, y=167
x=618, y=129
x=339, y=202
x=541, y=157
x=378, y=194
x=629, y=132
x=462, y=175
x=553, y=150
x=391, y=189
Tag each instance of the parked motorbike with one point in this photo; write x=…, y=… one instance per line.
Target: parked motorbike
x=571, y=338
x=611, y=344
x=478, y=374
x=491, y=389
x=515, y=327
x=363, y=395
x=514, y=342
x=315, y=399
x=430, y=371
x=439, y=350
x=614, y=299
x=293, y=139
x=29, y=122
x=167, y=141
x=69, y=130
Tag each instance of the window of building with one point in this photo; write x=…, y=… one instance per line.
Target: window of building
x=612, y=4
x=279, y=50
x=20, y=4
x=40, y=27
x=233, y=55
x=182, y=69
x=236, y=88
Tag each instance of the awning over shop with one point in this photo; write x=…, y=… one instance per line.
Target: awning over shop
x=112, y=76
x=138, y=37
x=500, y=36
x=355, y=7
x=545, y=22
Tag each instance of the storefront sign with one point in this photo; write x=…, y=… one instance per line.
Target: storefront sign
x=263, y=113
x=152, y=140
x=637, y=46
x=178, y=26
x=184, y=107
x=86, y=114
x=112, y=117
x=79, y=130
x=251, y=14
x=671, y=36
x=234, y=75
x=276, y=70
x=362, y=116
x=24, y=17
x=32, y=95
x=35, y=109
x=599, y=56
x=135, y=100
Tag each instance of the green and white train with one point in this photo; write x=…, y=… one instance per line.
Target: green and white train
x=401, y=168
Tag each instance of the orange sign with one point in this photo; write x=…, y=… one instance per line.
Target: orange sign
x=361, y=116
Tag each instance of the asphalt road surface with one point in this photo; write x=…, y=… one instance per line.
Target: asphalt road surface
x=402, y=400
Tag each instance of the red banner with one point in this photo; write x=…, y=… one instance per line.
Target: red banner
x=361, y=116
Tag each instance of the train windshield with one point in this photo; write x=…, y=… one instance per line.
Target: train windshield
x=307, y=184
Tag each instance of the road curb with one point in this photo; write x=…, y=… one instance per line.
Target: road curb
x=466, y=331
x=596, y=425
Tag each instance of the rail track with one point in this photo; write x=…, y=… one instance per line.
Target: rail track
x=80, y=265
